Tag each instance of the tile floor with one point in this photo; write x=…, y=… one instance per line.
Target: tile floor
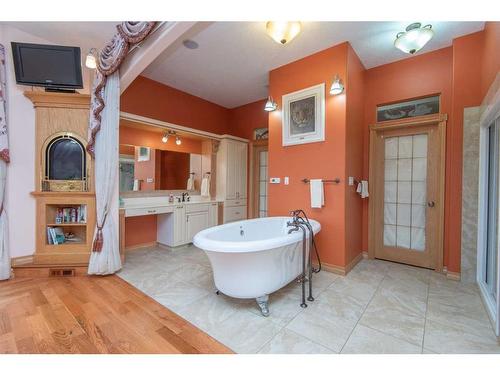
x=379, y=307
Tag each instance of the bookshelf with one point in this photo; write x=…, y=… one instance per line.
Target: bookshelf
x=74, y=231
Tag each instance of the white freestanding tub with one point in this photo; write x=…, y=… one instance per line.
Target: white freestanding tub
x=253, y=258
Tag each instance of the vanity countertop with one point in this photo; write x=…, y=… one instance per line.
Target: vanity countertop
x=152, y=202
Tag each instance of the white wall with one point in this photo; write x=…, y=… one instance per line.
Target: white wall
x=20, y=205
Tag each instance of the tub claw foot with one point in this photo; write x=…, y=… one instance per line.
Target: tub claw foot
x=217, y=292
x=263, y=303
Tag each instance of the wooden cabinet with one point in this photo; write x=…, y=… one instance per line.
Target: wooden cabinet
x=232, y=177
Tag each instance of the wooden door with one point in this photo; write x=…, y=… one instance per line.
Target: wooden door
x=407, y=191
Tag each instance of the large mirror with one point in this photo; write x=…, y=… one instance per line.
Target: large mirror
x=145, y=169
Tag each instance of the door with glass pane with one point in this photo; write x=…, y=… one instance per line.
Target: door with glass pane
x=259, y=179
x=406, y=202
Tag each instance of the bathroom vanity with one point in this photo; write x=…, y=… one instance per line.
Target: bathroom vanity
x=177, y=223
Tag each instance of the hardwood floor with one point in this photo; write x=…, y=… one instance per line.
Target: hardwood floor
x=92, y=315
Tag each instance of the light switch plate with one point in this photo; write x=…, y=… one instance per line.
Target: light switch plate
x=275, y=180
x=351, y=181
x=150, y=180
x=286, y=181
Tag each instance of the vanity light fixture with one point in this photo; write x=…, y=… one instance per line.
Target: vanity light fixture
x=337, y=86
x=283, y=32
x=271, y=105
x=164, y=139
x=90, y=60
x=177, y=140
x=414, y=38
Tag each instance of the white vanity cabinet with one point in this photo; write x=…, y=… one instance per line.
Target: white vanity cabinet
x=232, y=178
x=186, y=220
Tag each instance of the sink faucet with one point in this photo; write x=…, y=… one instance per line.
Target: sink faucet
x=185, y=197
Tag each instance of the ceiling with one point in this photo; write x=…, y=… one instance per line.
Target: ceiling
x=231, y=65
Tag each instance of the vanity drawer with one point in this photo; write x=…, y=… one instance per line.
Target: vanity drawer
x=148, y=211
x=197, y=207
x=235, y=213
x=235, y=202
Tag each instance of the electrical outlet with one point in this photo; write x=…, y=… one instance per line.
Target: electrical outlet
x=286, y=180
x=275, y=180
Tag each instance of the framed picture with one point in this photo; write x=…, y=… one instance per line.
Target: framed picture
x=143, y=153
x=408, y=108
x=304, y=116
x=260, y=133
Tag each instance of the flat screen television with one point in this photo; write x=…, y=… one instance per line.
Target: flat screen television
x=52, y=67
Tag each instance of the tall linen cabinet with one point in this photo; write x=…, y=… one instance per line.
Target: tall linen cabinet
x=231, y=182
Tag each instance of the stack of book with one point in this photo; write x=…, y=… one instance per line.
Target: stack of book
x=76, y=214
x=55, y=235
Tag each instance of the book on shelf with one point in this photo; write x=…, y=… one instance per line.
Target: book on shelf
x=56, y=236
x=74, y=214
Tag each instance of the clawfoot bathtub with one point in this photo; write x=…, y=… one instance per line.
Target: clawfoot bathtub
x=253, y=258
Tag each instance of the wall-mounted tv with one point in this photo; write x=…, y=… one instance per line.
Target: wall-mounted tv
x=53, y=67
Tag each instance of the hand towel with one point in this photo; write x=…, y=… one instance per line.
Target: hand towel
x=317, y=193
x=363, y=189
x=190, y=183
x=205, y=187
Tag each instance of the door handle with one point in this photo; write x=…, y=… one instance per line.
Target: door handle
x=431, y=204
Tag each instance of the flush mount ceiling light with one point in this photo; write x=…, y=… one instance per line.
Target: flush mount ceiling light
x=414, y=38
x=270, y=105
x=90, y=60
x=337, y=86
x=283, y=32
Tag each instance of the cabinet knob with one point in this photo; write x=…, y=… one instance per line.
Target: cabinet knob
x=431, y=204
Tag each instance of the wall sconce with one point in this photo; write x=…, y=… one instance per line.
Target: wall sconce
x=271, y=105
x=90, y=60
x=337, y=86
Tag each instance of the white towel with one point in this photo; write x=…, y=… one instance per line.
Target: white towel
x=205, y=187
x=317, y=193
x=190, y=183
x=363, y=189
x=136, y=185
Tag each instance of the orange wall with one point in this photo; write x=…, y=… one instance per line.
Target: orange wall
x=149, y=98
x=314, y=160
x=245, y=119
x=491, y=55
x=429, y=73
x=354, y=154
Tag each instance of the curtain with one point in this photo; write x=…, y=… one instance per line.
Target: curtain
x=103, y=143
x=4, y=160
x=107, y=259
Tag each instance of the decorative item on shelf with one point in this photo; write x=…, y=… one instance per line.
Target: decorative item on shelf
x=283, y=32
x=414, y=38
x=337, y=86
x=304, y=116
x=271, y=105
x=90, y=60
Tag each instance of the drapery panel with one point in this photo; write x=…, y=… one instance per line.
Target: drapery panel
x=103, y=142
x=4, y=160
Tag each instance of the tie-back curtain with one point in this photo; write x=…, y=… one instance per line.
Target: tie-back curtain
x=4, y=160
x=103, y=142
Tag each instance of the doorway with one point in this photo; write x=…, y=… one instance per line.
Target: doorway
x=407, y=197
x=259, y=167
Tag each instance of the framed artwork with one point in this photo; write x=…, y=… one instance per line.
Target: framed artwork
x=143, y=153
x=409, y=108
x=261, y=133
x=303, y=118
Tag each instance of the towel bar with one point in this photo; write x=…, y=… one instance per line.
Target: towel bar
x=335, y=181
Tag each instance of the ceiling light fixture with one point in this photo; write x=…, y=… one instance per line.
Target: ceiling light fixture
x=271, y=105
x=337, y=86
x=165, y=138
x=177, y=140
x=414, y=38
x=283, y=32
x=90, y=60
